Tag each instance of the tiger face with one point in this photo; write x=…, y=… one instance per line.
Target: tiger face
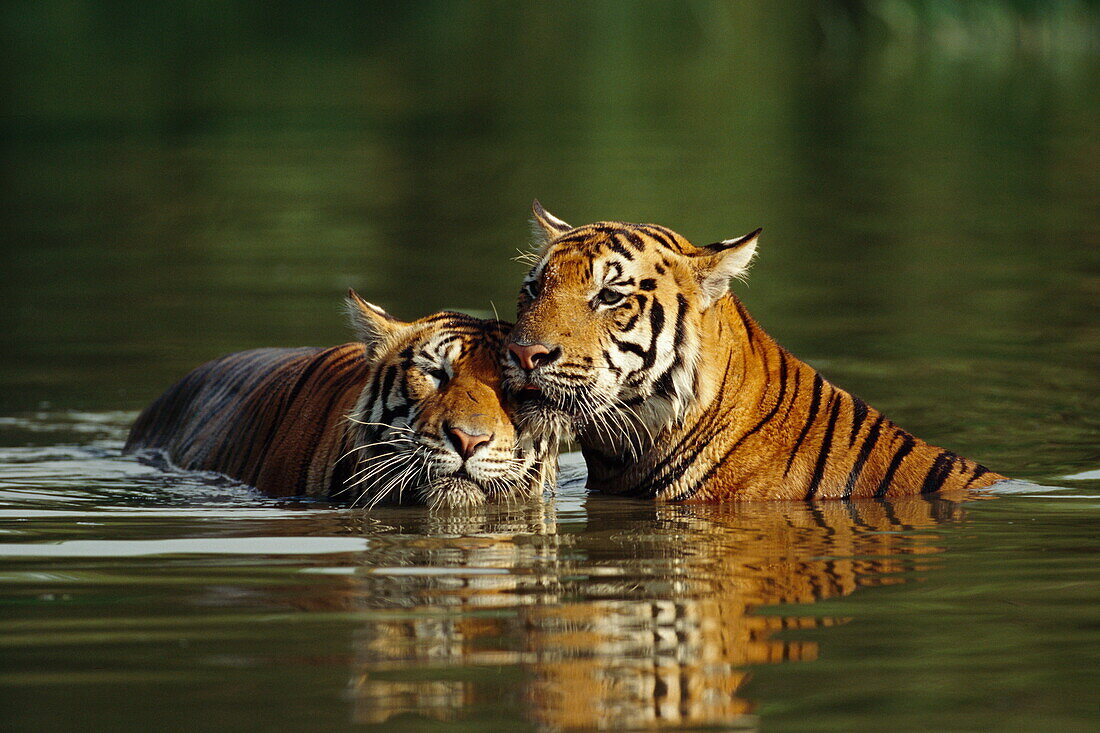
x=607, y=337
x=432, y=425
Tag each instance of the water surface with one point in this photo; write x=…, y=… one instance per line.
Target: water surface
x=133, y=597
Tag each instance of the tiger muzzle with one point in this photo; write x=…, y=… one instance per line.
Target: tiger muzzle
x=531, y=356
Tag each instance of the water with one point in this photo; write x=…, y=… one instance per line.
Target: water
x=182, y=182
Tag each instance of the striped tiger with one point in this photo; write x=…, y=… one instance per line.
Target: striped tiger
x=629, y=338
x=412, y=411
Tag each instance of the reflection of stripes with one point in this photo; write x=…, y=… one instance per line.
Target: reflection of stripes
x=660, y=635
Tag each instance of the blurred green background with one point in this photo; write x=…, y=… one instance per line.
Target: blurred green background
x=184, y=179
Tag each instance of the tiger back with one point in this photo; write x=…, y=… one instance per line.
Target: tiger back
x=629, y=338
x=410, y=412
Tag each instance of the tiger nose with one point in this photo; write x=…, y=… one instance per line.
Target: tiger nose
x=530, y=356
x=465, y=443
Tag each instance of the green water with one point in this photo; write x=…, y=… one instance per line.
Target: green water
x=184, y=180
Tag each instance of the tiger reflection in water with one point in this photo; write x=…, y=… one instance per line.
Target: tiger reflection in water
x=649, y=621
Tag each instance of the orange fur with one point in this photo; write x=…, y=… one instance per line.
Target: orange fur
x=675, y=392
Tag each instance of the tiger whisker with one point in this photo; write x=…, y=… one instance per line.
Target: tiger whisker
x=402, y=475
x=414, y=472
x=377, y=489
x=390, y=459
x=372, y=445
x=377, y=472
x=401, y=428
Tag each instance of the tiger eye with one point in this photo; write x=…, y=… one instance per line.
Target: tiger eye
x=607, y=296
x=440, y=376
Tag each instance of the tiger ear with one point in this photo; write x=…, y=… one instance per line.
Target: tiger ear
x=716, y=263
x=545, y=225
x=371, y=324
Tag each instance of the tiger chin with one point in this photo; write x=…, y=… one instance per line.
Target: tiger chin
x=629, y=339
x=410, y=413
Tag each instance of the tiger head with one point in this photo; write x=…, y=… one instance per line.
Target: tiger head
x=432, y=424
x=608, y=336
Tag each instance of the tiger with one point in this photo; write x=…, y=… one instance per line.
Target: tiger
x=629, y=338
x=411, y=412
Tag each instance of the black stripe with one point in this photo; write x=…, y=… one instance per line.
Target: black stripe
x=662, y=236
x=765, y=369
x=794, y=389
x=664, y=385
x=582, y=237
x=656, y=323
x=778, y=399
x=445, y=340
x=313, y=366
x=673, y=238
x=341, y=382
x=701, y=434
x=692, y=490
x=629, y=347
x=859, y=414
x=265, y=445
x=938, y=472
x=815, y=404
x=610, y=364
x=903, y=450
x=819, y=519
x=836, y=576
x=681, y=314
x=388, y=377
x=634, y=240
x=649, y=355
x=826, y=444
x=979, y=471
x=454, y=320
x=615, y=246
x=389, y=414
x=374, y=388
x=864, y=451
